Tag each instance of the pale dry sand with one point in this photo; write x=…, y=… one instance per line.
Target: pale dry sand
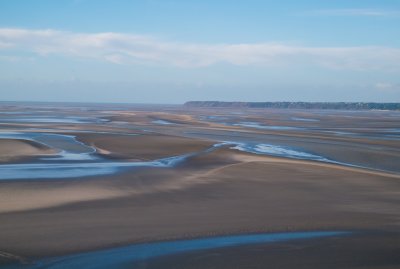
x=14, y=149
x=146, y=117
x=22, y=197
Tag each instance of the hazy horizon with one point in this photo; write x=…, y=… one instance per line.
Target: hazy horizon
x=168, y=104
x=170, y=52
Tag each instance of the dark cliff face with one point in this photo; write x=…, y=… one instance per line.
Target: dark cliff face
x=297, y=105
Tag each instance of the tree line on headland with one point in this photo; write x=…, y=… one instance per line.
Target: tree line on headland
x=298, y=105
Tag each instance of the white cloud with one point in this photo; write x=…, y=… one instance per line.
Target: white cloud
x=355, y=12
x=387, y=87
x=121, y=48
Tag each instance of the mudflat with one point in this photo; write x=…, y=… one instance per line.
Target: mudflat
x=377, y=250
x=330, y=175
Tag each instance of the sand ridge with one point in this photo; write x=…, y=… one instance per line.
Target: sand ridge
x=14, y=149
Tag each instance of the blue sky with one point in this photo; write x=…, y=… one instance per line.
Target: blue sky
x=171, y=51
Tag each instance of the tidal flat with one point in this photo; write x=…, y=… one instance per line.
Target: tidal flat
x=224, y=187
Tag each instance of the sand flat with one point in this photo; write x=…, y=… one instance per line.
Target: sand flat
x=143, y=147
x=220, y=191
x=249, y=197
x=374, y=251
x=13, y=149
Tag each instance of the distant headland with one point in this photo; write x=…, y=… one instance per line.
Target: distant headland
x=298, y=105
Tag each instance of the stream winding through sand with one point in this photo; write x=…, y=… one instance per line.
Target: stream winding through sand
x=76, y=159
x=129, y=256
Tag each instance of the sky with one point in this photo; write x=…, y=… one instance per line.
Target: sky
x=172, y=51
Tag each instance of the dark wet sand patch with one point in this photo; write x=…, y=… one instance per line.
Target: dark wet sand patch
x=371, y=250
x=131, y=255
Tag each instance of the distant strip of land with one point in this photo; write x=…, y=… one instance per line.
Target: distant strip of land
x=298, y=105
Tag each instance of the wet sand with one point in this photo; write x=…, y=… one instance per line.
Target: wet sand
x=379, y=250
x=220, y=192
x=248, y=197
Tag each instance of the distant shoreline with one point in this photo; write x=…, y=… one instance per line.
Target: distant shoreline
x=297, y=105
x=221, y=104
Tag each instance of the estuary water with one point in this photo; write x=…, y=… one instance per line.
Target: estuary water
x=74, y=159
x=129, y=256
